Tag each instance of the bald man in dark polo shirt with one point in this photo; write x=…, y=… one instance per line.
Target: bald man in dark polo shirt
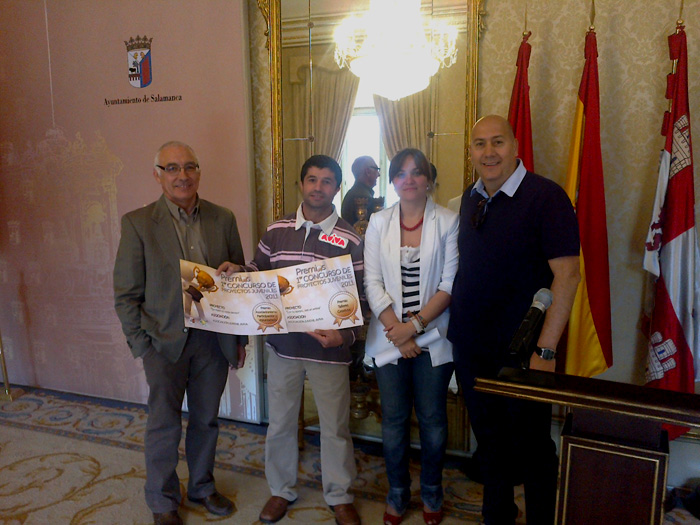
x=518, y=233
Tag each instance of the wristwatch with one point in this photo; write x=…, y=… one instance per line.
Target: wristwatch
x=546, y=353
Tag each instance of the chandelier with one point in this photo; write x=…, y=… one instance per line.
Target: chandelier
x=391, y=47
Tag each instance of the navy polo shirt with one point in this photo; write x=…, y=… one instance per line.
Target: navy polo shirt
x=504, y=261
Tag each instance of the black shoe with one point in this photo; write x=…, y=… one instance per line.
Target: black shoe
x=216, y=504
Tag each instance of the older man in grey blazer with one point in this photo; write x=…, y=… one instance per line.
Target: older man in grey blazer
x=148, y=301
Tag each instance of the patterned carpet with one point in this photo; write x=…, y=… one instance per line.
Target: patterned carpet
x=80, y=460
x=72, y=459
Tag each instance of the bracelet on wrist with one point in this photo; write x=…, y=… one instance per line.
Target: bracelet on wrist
x=418, y=322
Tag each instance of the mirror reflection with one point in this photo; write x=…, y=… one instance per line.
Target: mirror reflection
x=328, y=110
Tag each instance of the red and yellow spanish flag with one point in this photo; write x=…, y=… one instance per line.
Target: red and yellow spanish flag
x=589, y=345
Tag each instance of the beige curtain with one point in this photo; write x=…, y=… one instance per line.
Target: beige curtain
x=297, y=150
x=333, y=101
x=405, y=123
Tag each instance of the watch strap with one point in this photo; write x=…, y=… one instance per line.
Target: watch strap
x=546, y=353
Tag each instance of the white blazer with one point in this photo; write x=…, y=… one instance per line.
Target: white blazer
x=438, y=266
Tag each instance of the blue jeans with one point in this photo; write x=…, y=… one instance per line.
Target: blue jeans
x=414, y=383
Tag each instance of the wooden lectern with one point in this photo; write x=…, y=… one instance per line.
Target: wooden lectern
x=614, y=452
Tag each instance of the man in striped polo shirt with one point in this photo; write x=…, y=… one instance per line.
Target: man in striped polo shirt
x=314, y=232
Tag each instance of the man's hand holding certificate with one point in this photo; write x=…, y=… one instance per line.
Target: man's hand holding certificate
x=317, y=295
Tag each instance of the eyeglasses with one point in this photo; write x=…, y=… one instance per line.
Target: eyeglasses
x=174, y=169
x=375, y=168
x=480, y=214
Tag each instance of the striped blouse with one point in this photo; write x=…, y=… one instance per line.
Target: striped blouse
x=410, y=279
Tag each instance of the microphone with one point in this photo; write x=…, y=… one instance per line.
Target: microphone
x=521, y=343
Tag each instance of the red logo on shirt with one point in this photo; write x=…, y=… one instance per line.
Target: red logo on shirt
x=334, y=240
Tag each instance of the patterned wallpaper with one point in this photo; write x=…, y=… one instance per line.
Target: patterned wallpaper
x=633, y=64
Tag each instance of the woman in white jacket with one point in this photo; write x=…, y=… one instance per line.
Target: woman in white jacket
x=410, y=263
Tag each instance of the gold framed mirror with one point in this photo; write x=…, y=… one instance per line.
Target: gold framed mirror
x=299, y=43
x=300, y=40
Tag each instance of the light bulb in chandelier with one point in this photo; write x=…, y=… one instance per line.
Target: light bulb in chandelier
x=392, y=49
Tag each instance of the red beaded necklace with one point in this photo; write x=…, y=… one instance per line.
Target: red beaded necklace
x=414, y=228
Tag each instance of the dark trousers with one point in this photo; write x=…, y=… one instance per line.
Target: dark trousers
x=514, y=441
x=201, y=371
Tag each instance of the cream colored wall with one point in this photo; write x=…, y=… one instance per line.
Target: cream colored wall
x=633, y=64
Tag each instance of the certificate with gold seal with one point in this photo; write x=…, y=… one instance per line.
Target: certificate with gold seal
x=242, y=303
x=316, y=295
x=320, y=295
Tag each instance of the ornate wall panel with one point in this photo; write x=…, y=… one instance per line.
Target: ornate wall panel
x=258, y=13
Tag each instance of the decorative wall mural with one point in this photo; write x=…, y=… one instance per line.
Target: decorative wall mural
x=62, y=235
x=76, y=153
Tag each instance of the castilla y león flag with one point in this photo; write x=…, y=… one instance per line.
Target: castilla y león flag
x=589, y=344
x=519, y=111
x=671, y=254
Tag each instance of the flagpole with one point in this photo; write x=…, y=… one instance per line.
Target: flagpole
x=519, y=109
x=674, y=63
x=526, y=33
x=7, y=394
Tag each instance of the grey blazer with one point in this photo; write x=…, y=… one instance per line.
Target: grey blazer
x=147, y=289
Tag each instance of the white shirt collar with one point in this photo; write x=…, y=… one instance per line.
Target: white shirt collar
x=326, y=225
x=510, y=186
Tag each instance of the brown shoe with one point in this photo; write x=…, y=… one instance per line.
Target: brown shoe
x=167, y=518
x=345, y=514
x=274, y=510
x=216, y=504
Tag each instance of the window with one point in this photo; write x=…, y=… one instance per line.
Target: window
x=364, y=138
